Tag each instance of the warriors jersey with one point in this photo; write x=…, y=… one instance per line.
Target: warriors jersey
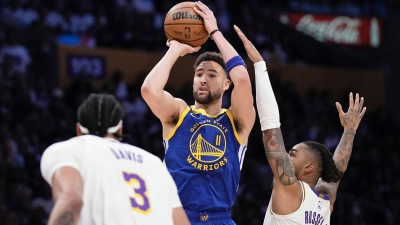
x=314, y=209
x=204, y=155
x=123, y=184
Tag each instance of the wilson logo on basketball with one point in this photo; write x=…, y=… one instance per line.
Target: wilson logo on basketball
x=185, y=15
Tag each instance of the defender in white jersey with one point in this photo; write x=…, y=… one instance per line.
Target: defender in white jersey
x=306, y=179
x=96, y=179
x=314, y=209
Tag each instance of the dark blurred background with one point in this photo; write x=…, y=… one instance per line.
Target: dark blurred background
x=54, y=53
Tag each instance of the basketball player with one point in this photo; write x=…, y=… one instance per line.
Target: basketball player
x=305, y=180
x=96, y=179
x=204, y=143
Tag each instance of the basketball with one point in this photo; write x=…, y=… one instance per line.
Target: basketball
x=183, y=24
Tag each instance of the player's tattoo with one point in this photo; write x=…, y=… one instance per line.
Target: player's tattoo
x=327, y=189
x=344, y=150
x=65, y=219
x=272, y=144
x=286, y=171
x=276, y=154
x=352, y=118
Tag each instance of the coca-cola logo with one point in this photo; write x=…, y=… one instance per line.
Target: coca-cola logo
x=185, y=15
x=341, y=29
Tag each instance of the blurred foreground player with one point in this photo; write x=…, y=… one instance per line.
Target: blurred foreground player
x=96, y=179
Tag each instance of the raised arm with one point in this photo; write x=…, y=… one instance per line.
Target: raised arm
x=162, y=103
x=67, y=188
x=350, y=121
x=286, y=189
x=242, y=105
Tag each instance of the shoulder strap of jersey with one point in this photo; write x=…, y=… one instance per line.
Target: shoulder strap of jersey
x=169, y=136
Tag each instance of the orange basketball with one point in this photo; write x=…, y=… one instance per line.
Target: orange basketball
x=184, y=25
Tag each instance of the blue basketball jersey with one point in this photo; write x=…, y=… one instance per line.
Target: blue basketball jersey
x=204, y=155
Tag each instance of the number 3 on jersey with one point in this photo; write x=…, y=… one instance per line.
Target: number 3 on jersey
x=140, y=193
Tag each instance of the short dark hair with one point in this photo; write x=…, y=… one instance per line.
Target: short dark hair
x=329, y=171
x=211, y=56
x=100, y=112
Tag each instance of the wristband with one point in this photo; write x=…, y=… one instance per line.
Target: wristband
x=213, y=32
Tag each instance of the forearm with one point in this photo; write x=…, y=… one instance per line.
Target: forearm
x=268, y=112
x=158, y=76
x=278, y=159
x=66, y=211
x=225, y=48
x=344, y=149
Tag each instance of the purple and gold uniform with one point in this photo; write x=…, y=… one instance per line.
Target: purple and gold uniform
x=315, y=209
x=123, y=184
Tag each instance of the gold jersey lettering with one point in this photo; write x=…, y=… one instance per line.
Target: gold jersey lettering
x=204, y=167
x=189, y=159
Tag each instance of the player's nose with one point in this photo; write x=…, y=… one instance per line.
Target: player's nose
x=203, y=80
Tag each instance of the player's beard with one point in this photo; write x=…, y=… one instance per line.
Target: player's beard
x=206, y=99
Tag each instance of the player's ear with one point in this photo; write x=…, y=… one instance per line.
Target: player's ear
x=227, y=84
x=309, y=168
x=120, y=130
x=78, y=130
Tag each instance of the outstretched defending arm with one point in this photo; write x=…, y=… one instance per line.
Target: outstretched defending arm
x=286, y=189
x=242, y=105
x=350, y=121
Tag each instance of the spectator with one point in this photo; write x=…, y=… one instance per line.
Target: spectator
x=15, y=54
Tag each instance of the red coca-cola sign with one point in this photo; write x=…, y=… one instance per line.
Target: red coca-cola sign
x=337, y=29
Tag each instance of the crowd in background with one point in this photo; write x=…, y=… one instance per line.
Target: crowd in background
x=35, y=112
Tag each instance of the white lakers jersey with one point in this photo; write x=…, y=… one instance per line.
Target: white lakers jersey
x=123, y=184
x=314, y=209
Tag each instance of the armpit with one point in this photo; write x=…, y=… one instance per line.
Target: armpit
x=173, y=120
x=238, y=126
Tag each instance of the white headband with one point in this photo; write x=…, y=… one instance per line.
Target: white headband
x=110, y=130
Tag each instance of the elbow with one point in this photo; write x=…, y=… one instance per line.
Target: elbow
x=146, y=90
x=242, y=79
x=73, y=202
x=151, y=91
x=77, y=204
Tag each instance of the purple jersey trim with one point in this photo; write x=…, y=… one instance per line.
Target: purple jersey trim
x=326, y=197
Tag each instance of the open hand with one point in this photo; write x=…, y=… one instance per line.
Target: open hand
x=252, y=52
x=210, y=22
x=183, y=48
x=351, y=119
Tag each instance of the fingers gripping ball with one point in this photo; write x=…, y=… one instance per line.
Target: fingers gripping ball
x=184, y=25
